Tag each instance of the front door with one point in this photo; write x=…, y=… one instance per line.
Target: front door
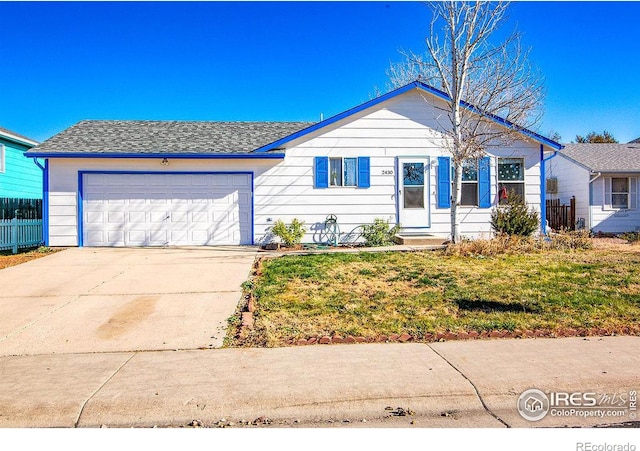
x=413, y=192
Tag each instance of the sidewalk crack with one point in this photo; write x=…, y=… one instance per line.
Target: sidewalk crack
x=489, y=411
x=84, y=405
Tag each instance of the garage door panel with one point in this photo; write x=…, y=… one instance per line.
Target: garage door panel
x=166, y=209
x=115, y=238
x=115, y=217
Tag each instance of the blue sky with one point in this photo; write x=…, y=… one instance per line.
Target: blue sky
x=64, y=62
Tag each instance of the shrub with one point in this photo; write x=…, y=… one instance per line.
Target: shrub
x=290, y=234
x=514, y=218
x=380, y=233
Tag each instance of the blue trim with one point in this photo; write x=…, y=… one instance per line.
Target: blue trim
x=543, y=189
x=444, y=182
x=427, y=188
x=80, y=191
x=397, y=92
x=364, y=172
x=484, y=182
x=45, y=203
x=177, y=156
x=321, y=172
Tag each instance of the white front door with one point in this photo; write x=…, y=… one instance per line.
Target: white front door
x=157, y=209
x=413, y=192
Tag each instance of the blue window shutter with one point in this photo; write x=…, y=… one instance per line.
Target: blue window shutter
x=364, y=172
x=444, y=182
x=484, y=183
x=322, y=172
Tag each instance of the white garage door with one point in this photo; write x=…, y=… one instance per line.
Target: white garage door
x=166, y=209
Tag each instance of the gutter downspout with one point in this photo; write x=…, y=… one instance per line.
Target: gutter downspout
x=543, y=189
x=45, y=198
x=593, y=179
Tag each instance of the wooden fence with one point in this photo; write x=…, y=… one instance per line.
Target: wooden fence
x=561, y=216
x=20, y=208
x=20, y=233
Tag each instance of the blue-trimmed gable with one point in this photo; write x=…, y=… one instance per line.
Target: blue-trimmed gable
x=396, y=92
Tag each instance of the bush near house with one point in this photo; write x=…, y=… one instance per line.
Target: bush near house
x=290, y=235
x=514, y=217
x=379, y=233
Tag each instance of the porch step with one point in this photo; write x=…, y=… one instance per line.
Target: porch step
x=418, y=240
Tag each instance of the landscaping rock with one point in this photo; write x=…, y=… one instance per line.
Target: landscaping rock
x=404, y=337
x=325, y=340
x=394, y=337
x=337, y=339
x=312, y=340
x=350, y=339
x=247, y=319
x=301, y=342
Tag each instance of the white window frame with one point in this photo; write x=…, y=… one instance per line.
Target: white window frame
x=510, y=182
x=2, y=159
x=632, y=194
x=469, y=182
x=342, y=185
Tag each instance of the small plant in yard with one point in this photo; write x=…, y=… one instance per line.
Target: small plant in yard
x=290, y=235
x=380, y=233
x=514, y=218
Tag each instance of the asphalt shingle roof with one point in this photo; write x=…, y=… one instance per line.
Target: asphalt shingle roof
x=166, y=137
x=605, y=157
x=17, y=135
x=635, y=141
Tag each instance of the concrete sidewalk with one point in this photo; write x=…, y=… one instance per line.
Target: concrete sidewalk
x=452, y=384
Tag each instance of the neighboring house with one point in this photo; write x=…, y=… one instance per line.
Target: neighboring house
x=604, y=180
x=635, y=141
x=152, y=183
x=19, y=176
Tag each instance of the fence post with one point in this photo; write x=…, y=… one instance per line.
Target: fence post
x=14, y=235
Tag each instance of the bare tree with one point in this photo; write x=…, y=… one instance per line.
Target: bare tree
x=481, y=79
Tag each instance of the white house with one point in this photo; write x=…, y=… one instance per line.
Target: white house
x=152, y=183
x=604, y=180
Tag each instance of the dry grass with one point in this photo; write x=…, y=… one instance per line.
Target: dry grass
x=8, y=259
x=369, y=294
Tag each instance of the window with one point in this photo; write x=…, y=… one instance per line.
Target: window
x=469, y=196
x=510, y=178
x=353, y=171
x=2, y=158
x=620, y=192
x=413, y=185
x=343, y=171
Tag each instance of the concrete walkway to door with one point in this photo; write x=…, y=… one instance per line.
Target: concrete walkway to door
x=110, y=300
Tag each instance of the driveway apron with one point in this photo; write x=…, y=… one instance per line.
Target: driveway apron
x=112, y=300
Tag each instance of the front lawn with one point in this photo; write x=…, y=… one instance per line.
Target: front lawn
x=7, y=258
x=372, y=294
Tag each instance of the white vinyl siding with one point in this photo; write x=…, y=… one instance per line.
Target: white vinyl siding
x=573, y=180
x=405, y=126
x=605, y=218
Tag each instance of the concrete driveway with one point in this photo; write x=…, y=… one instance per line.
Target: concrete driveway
x=106, y=300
